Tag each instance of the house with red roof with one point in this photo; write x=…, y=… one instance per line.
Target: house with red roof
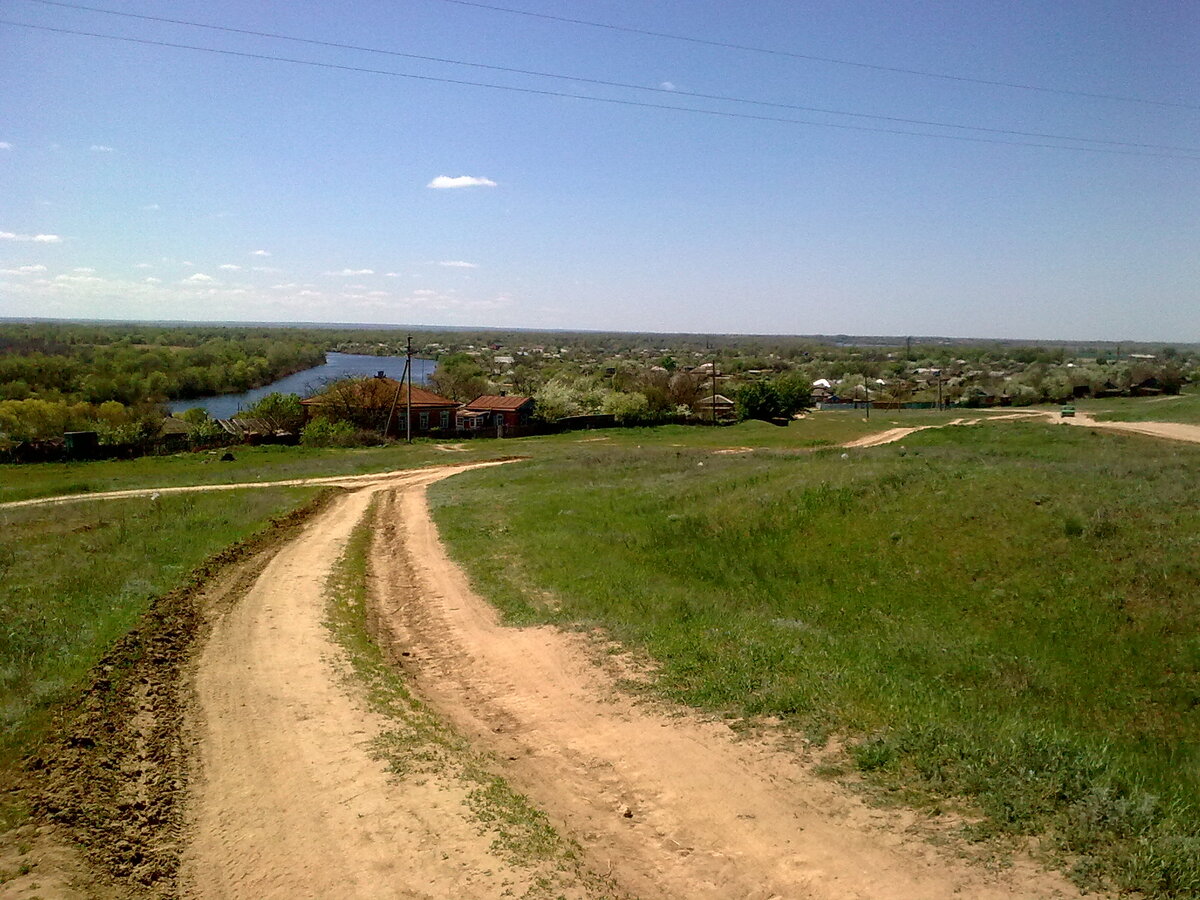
x=500, y=415
x=373, y=403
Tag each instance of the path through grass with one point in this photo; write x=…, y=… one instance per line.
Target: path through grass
x=277, y=463
x=73, y=579
x=1183, y=408
x=1004, y=613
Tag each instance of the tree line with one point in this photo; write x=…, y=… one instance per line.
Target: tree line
x=113, y=378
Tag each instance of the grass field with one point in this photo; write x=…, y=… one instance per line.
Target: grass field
x=73, y=579
x=23, y=482
x=1005, y=614
x=1178, y=408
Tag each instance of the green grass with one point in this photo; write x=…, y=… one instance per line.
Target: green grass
x=1002, y=613
x=1183, y=408
x=74, y=579
x=273, y=463
x=270, y=463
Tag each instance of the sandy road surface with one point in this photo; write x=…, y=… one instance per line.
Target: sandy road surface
x=289, y=801
x=892, y=435
x=673, y=806
x=1170, y=430
x=347, y=481
x=1175, y=431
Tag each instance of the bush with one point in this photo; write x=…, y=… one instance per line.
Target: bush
x=627, y=409
x=284, y=411
x=759, y=400
x=323, y=433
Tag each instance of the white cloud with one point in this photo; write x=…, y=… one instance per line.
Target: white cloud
x=152, y=280
x=667, y=85
x=187, y=263
x=151, y=207
x=259, y=253
x=5, y=145
x=350, y=272
x=268, y=269
x=101, y=148
x=143, y=266
x=84, y=270
x=35, y=238
x=230, y=267
x=458, y=264
x=460, y=181
x=23, y=270
x=198, y=278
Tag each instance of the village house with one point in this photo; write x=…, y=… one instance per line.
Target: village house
x=373, y=403
x=716, y=406
x=502, y=415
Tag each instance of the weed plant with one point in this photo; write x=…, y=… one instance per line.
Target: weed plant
x=1006, y=614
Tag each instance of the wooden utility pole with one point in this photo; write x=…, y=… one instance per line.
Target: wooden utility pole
x=714, y=397
x=408, y=405
x=392, y=412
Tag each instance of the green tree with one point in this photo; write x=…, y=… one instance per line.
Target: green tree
x=459, y=377
x=627, y=408
x=556, y=399
x=795, y=392
x=759, y=400
x=284, y=411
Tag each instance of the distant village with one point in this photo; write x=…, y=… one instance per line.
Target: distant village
x=74, y=391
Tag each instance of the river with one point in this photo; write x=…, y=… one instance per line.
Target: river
x=308, y=382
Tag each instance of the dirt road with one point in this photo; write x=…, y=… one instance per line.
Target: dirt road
x=1174, y=431
x=347, y=481
x=671, y=804
x=290, y=800
x=290, y=797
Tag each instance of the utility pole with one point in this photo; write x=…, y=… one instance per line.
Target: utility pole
x=714, y=397
x=392, y=412
x=408, y=405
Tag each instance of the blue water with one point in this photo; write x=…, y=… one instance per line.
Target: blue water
x=309, y=382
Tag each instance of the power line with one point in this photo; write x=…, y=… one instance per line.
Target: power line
x=570, y=96
x=824, y=59
x=619, y=84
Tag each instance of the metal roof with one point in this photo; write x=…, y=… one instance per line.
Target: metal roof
x=495, y=402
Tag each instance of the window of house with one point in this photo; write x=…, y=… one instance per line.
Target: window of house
x=424, y=421
x=445, y=418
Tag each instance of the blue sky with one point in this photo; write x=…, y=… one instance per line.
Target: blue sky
x=146, y=182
